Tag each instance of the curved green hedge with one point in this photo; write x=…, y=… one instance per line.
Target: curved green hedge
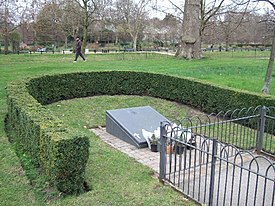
x=60, y=152
x=201, y=95
x=63, y=153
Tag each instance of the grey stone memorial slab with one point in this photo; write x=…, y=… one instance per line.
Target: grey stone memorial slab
x=127, y=124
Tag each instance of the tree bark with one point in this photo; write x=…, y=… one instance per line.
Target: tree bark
x=85, y=31
x=190, y=47
x=135, y=43
x=265, y=88
x=227, y=42
x=66, y=41
x=6, y=32
x=84, y=42
x=6, y=41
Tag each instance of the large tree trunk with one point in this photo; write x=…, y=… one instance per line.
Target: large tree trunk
x=265, y=88
x=190, y=47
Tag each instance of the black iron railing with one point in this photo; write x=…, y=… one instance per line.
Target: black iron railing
x=214, y=159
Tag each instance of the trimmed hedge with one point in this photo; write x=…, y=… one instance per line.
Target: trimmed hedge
x=61, y=153
x=204, y=96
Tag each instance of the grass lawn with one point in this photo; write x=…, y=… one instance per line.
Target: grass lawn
x=122, y=181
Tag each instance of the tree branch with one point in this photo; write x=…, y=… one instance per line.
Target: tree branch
x=268, y=1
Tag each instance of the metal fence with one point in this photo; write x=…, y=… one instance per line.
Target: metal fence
x=211, y=158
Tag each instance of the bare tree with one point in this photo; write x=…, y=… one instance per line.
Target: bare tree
x=12, y=14
x=168, y=30
x=70, y=19
x=190, y=46
x=197, y=14
x=268, y=75
x=265, y=88
x=34, y=9
x=91, y=13
x=131, y=16
x=229, y=22
x=48, y=23
x=175, y=10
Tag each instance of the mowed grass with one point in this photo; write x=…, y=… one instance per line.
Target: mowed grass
x=236, y=72
x=116, y=179
x=90, y=112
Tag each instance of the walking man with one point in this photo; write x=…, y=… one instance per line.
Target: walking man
x=78, y=49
